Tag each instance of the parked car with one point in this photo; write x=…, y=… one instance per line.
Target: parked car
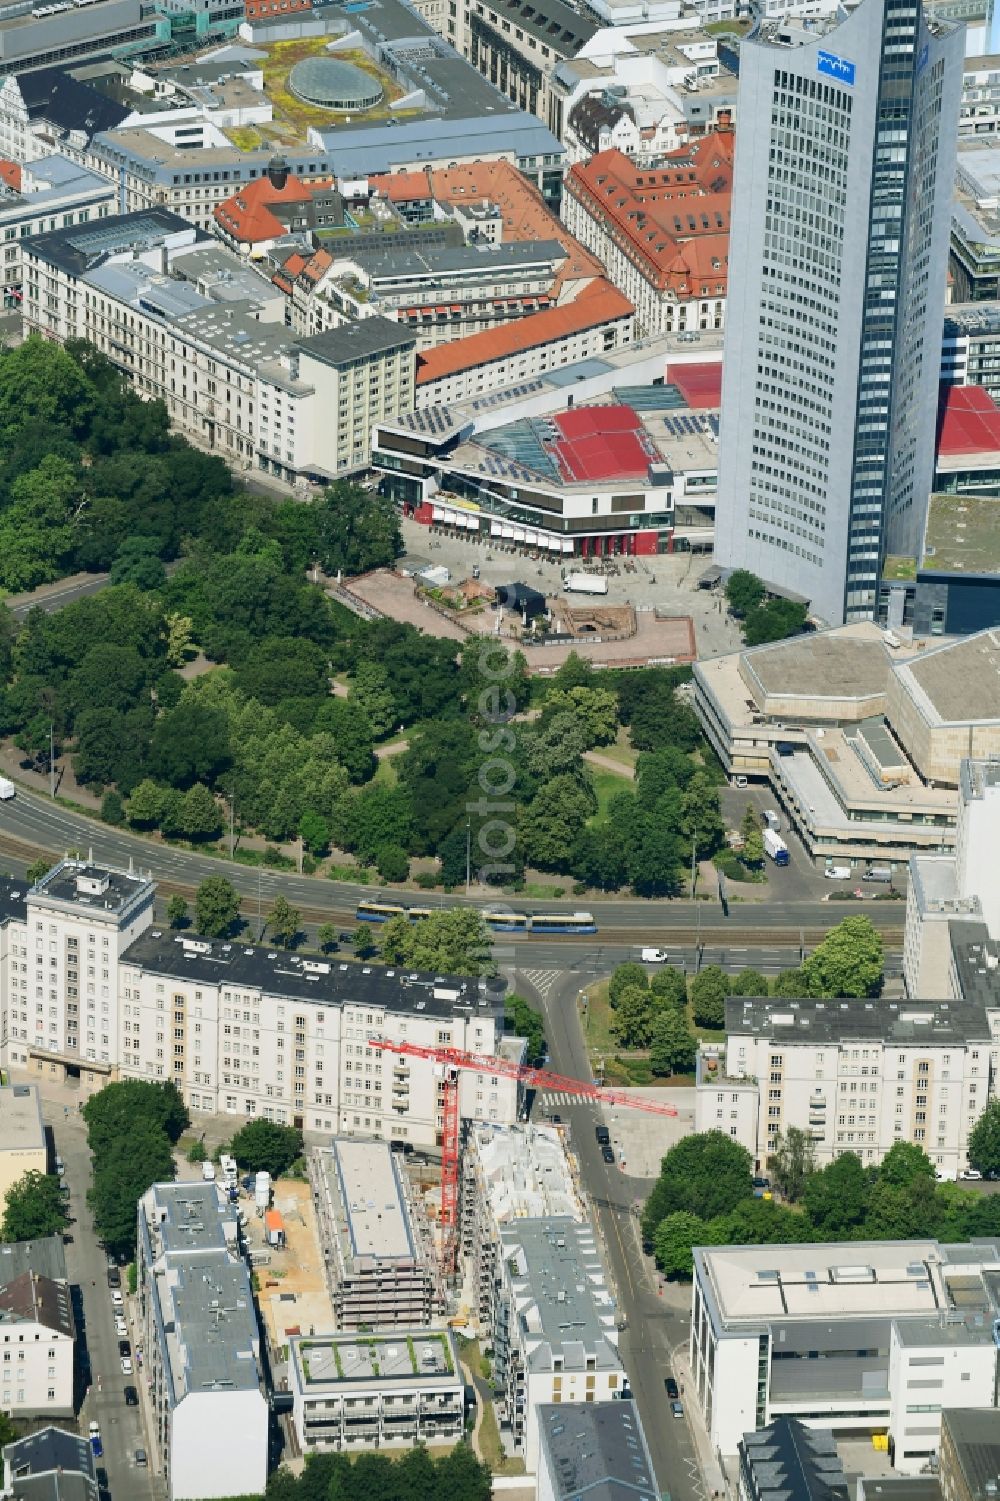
x=677, y=1408
x=671, y=1386
x=126, y=1366
x=116, y=1298
x=971, y=1175
x=121, y=1328
x=603, y=1135
x=114, y=1277
x=140, y=1458
x=608, y=1153
x=131, y=1397
x=124, y=1348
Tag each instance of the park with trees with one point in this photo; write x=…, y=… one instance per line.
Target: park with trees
x=705, y=1196
x=214, y=687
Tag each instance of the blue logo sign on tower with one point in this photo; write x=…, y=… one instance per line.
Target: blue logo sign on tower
x=835, y=67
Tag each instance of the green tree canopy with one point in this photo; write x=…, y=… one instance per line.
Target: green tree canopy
x=33, y=1208
x=672, y=1044
x=744, y=591
x=216, y=907
x=628, y=976
x=265, y=1147
x=792, y=1161
x=706, y=1174
x=984, y=1140
x=849, y=961
x=451, y=942
x=709, y=989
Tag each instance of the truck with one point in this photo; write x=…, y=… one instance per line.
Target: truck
x=274, y=1228
x=776, y=847
x=7, y=790
x=230, y=1172
x=262, y=1190
x=585, y=583
x=772, y=821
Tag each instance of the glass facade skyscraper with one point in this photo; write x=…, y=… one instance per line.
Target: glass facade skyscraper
x=845, y=158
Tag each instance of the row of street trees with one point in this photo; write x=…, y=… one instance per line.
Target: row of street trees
x=132, y=1127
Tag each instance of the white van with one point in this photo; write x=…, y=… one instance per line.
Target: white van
x=653, y=956
x=208, y=1172
x=837, y=872
x=772, y=821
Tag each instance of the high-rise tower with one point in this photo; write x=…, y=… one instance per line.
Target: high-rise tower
x=845, y=158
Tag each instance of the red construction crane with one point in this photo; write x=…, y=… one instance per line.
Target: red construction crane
x=453, y=1061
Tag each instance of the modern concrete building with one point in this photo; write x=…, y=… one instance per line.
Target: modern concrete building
x=945, y=889
x=855, y=1076
x=511, y=1173
x=862, y=1337
x=841, y=208
x=37, y=1330
x=378, y=1264
x=49, y=1465
x=376, y=1391
x=595, y=1449
x=555, y=1334
x=22, y=1136
x=202, y=1344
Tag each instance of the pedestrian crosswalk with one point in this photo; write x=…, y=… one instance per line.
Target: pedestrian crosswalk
x=541, y=980
x=551, y=1098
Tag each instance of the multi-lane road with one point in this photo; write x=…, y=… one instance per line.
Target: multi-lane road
x=31, y=825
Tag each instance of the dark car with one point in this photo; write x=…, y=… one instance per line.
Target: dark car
x=131, y=1397
x=672, y=1390
x=762, y=1183
x=603, y=1135
x=124, y=1348
x=608, y=1153
x=346, y=937
x=555, y=1119
x=114, y=1277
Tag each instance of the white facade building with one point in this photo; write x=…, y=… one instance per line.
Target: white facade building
x=202, y=1344
x=947, y=888
x=555, y=1335
x=861, y=1337
x=384, y=1391
x=37, y=1330
x=856, y=1076
x=54, y=194
x=89, y=990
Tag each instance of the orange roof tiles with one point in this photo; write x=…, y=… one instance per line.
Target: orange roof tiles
x=598, y=303
x=402, y=187
x=673, y=220
x=10, y=174
x=247, y=216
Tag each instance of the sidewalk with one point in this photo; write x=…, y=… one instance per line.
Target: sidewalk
x=716, y=1483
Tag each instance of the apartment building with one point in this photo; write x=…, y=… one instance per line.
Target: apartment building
x=241, y=1030
x=201, y=1343
x=263, y=397
x=61, y=996
x=384, y=1391
x=970, y=1454
x=52, y=1463
x=379, y=1259
x=600, y=321
x=519, y=46
x=863, y=1337
x=510, y=1173
x=22, y=1136
x=555, y=1334
x=51, y=193
x=37, y=1330
x=663, y=232
x=595, y=1449
x=855, y=1076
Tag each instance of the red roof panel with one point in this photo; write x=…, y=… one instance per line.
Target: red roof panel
x=968, y=422
x=700, y=384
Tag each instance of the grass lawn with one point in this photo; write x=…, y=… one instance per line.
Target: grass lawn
x=607, y=784
x=542, y=890
x=386, y=772
x=620, y=1068
x=490, y=1447
x=620, y=750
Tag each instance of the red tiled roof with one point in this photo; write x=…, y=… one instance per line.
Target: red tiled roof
x=602, y=443
x=673, y=220
x=248, y=217
x=598, y=303
x=402, y=187
x=968, y=422
x=10, y=174
x=700, y=384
